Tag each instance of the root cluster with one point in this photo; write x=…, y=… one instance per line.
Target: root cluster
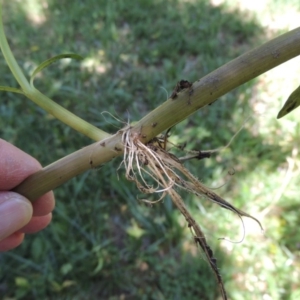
x=155, y=170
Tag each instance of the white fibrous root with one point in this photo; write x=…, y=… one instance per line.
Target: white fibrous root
x=145, y=166
x=165, y=170
x=155, y=170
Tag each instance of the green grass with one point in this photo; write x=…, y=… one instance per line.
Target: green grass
x=105, y=244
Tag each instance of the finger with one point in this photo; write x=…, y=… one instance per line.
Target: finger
x=12, y=241
x=15, y=212
x=36, y=224
x=16, y=165
x=44, y=205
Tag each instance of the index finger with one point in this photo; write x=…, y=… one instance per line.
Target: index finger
x=15, y=167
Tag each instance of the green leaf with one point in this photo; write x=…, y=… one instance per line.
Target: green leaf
x=52, y=60
x=11, y=89
x=291, y=103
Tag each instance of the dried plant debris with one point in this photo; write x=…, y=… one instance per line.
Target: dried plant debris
x=155, y=170
x=180, y=86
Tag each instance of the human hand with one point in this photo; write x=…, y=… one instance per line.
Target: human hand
x=17, y=214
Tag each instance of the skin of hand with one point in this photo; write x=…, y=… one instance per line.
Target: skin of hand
x=18, y=216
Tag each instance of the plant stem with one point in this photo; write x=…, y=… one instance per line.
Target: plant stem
x=219, y=82
x=69, y=166
x=12, y=63
x=203, y=92
x=41, y=100
x=66, y=116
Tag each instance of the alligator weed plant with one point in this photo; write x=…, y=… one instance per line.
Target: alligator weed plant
x=147, y=160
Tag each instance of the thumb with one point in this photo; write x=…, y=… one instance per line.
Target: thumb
x=15, y=212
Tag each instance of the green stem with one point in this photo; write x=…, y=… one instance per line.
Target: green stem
x=66, y=116
x=41, y=100
x=12, y=63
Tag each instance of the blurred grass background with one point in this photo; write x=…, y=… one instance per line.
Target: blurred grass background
x=105, y=244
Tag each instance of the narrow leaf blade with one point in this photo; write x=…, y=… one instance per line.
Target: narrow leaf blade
x=291, y=103
x=52, y=60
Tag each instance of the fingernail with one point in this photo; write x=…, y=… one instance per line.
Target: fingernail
x=15, y=212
